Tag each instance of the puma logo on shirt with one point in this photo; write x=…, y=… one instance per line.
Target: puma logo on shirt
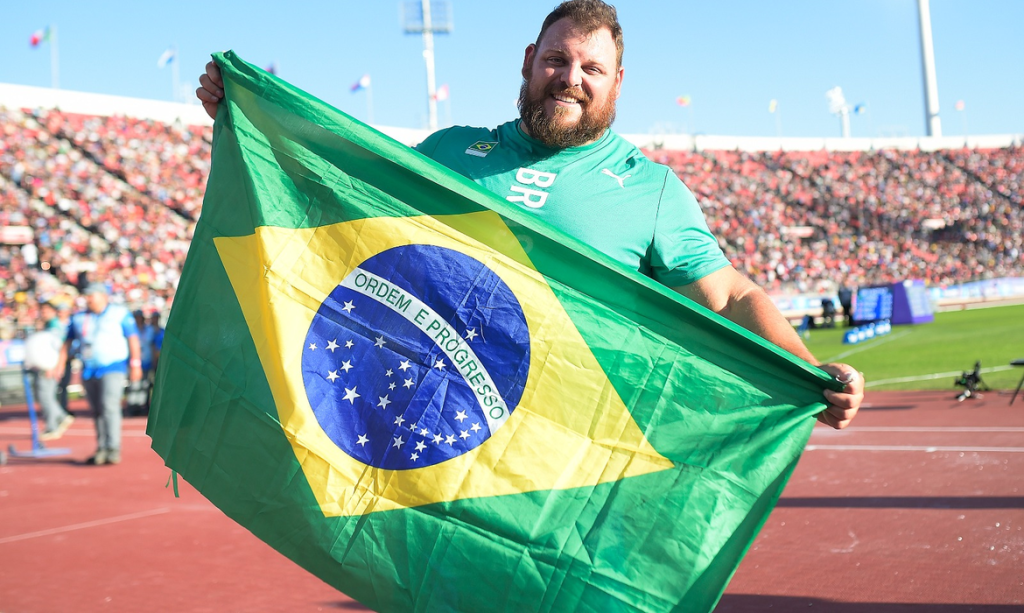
x=611, y=174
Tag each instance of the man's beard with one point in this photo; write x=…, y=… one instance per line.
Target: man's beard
x=552, y=131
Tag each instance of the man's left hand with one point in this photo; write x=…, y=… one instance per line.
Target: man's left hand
x=135, y=374
x=842, y=406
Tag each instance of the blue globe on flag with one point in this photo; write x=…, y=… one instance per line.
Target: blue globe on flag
x=418, y=356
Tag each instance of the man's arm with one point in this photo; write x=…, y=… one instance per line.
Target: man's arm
x=739, y=300
x=134, y=359
x=58, y=370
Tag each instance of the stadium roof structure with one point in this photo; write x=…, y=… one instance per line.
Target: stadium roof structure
x=27, y=97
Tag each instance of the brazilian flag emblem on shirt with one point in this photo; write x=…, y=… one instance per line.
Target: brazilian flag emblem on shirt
x=365, y=368
x=481, y=148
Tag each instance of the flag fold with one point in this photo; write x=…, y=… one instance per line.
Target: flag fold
x=432, y=401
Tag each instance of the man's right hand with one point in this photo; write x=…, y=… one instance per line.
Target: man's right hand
x=211, y=89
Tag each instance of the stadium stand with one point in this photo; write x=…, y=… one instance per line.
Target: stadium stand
x=806, y=221
x=115, y=197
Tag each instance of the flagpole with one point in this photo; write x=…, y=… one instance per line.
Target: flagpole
x=428, y=55
x=966, y=133
x=54, y=59
x=369, y=103
x=175, y=75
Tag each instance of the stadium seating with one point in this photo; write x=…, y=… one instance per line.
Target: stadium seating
x=116, y=198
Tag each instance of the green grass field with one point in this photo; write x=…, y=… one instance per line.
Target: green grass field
x=952, y=343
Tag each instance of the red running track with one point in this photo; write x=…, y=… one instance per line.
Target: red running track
x=917, y=508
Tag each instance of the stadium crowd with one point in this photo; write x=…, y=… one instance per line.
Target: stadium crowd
x=115, y=199
x=107, y=199
x=808, y=221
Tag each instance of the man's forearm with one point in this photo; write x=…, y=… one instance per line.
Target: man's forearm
x=739, y=300
x=756, y=312
x=134, y=350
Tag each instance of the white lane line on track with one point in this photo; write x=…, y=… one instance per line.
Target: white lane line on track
x=88, y=524
x=938, y=375
x=869, y=345
x=28, y=432
x=929, y=449
x=831, y=432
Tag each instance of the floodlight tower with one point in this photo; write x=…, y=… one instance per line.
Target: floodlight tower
x=931, y=89
x=837, y=106
x=427, y=17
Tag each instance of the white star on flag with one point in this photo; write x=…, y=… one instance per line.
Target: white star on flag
x=388, y=372
x=475, y=428
x=437, y=439
x=362, y=440
x=408, y=383
x=461, y=415
x=348, y=344
x=464, y=435
x=379, y=342
x=450, y=439
x=392, y=385
x=312, y=346
x=424, y=432
x=384, y=402
x=332, y=345
x=471, y=334
x=351, y=395
x=348, y=307
x=420, y=446
x=412, y=427
x=331, y=377
x=346, y=365
x=399, y=421
x=404, y=366
x=398, y=442
x=439, y=364
x=414, y=457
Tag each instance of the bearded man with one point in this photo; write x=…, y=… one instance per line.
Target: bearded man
x=562, y=162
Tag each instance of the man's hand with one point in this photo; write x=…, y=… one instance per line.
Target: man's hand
x=842, y=406
x=211, y=89
x=135, y=374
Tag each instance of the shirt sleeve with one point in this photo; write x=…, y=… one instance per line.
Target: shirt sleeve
x=128, y=326
x=72, y=331
x=683, y=250
x=429, y=145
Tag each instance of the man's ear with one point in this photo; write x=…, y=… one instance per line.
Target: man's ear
x=618, y=81
x=528, y=59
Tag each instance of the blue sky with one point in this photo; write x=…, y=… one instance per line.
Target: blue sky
x=730, y=56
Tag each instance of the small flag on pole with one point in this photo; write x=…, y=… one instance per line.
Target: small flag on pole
x=39, y=37
x=441, y=93
x=860, y=109
x=960, y=105
x=272, y=68
x=683, y=100
x=773, y=104
x=362, y=83
x=167, y=57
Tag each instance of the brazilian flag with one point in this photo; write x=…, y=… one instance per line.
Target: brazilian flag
x=434, y=402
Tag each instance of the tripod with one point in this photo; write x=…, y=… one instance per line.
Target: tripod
x=972, y=383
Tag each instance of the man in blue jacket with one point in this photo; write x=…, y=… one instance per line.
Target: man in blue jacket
x=108, y=345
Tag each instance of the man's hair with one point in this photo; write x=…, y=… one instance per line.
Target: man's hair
x=589, y=16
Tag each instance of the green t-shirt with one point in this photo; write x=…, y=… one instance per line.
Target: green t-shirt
x=606, y=194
